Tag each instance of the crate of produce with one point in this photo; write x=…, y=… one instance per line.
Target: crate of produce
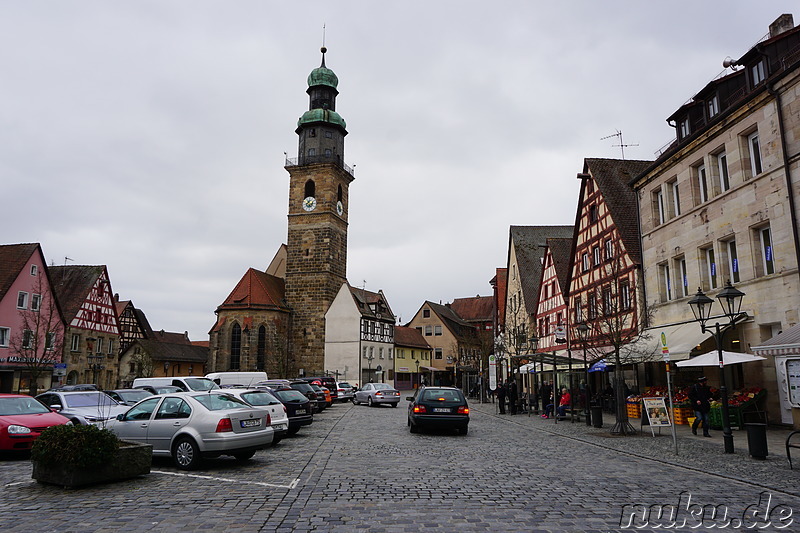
x=634, y=409
x=681, y=415
x=734, y=417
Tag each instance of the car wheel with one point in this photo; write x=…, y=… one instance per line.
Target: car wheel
x=276, y=440
x=294, y=430
x=355, y=402
x=244, y=456
x=186, y=454
x=413, y=427
x=369, y=401
x=394, y=405
x=464, y=430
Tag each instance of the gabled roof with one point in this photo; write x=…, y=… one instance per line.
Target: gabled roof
x=170, y=351
x=476, y=309
x=613, y=178
x=560, y=251
x=72, y=285
x=410, y=338
x=13, y=257
x=451, y=320
x=366, y=300
x=257, y=290
x=500, y=284
x=528, y=243
x=170, y=337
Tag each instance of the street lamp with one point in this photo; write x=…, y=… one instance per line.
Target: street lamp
x=583, y=334
x=417, y=363
x=730, y=299
x=370, y=357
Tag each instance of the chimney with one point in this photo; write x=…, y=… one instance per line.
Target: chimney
x=782, y=24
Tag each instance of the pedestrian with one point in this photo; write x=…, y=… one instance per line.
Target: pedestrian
x=700, y=396
x=501, y=397
x=513, y=396
x=547, y=399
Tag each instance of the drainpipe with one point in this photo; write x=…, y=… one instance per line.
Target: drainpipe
x=792, y=211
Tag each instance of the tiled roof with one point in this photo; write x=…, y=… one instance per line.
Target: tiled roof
x=613, y=178
x=478, y=308
x=364, y=299
x=170, y=337
x=450, y=319
x=72, y=285
x=410, y=337
x=13, y=257
x=529, y=243
x=174, y=352
x=560, y=250
x=257, y=289
x=501, y=282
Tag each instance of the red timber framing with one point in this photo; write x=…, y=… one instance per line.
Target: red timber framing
x=552, y=310
x=604, y=286
x=97, y=311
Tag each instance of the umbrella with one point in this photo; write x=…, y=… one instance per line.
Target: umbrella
x=728, y=358
x=599, y=366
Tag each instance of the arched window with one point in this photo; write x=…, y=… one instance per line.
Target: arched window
x=261, y=348
x=236, y=346
x=311, y=189
x=339, y=194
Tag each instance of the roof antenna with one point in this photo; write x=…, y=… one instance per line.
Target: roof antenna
x=323, y=49
x=621, y=145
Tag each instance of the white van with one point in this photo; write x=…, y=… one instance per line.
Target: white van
x=187, y=383
x=248, y=379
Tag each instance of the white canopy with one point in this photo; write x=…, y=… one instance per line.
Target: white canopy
x=712, y=359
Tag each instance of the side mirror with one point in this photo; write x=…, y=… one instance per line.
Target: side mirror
x=121, y=417
x=56, y=407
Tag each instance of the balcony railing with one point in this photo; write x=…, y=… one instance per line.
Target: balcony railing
x=317, y=160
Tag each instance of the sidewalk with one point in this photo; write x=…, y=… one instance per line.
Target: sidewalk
x=694, y=452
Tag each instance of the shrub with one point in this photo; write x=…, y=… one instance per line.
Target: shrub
x=75, y=445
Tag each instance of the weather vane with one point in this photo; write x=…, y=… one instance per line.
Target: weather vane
x=621, y=145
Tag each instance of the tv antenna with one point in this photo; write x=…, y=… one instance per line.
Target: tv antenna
x=621, y=145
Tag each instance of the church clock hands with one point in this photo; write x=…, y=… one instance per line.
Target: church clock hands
x=309, y=203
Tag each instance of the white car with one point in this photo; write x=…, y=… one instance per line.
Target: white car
x=264, y=399
x=189, y=426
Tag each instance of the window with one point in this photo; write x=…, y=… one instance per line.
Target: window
x=49, y=340
x=732, y=258
x=75, y=345
x=27, y=339
x=591, y=306
x=675, y=200
x=428, y=331
x=327, y=152
x=665, y=283
x=624, y=295
x=110, y=347
x=758, y=73
x=380, y=353
x=389, y=351
x=609, y=247
x=36, y=302
x=364, y=352
x=608, y=307
x=22, y=300
x=437, y=353
x=596, y=255
x=99, y=345
x=722, y=169
x=426, y=313
x=312, y=132
x=5, y=333
x=236, y=346
x=764, y=239
x=684, y=285
x=684, y=128
x=310, y=188
x=328, y=134
x=592, y=214
x=312, y=152
x=754, y=150
x=34, y=270
x=702, y=182
x=713, y=106
x=658, y=204
x=576, y=304
x=709, y=268
x=585, y=261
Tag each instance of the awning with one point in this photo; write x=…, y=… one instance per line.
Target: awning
x=784, y=343
x=728, y=358
x=432, y=369
x=681, y=340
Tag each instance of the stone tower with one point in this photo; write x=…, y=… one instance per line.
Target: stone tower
x=316, y=263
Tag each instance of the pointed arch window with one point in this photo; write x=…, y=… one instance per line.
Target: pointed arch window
x=261, y=348
x=310, y=189
x=236, y=346
x=339, y=194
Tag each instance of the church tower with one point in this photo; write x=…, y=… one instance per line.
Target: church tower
x=316, y=263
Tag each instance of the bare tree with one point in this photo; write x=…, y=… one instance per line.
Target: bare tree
x=39, y=342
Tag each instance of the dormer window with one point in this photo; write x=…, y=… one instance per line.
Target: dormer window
x=758, y=73
x=684, y=128
x=713, y=106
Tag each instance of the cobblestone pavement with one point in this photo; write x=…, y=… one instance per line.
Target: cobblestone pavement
x=358, y=469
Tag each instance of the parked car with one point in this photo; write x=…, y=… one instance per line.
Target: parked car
x=298, y=407
x=128, y=396
x=377, y=393
x=161, y=389
x=317, y=401
x=324, y=381
x=190, y=426
x=22, y=420
x=272, y=384
x=438, y=407
x=186, y=383
x=82, y=407
x=78, y=387
x=345, y=391
x=266, y=400
x=240, y=379
x=324, y=393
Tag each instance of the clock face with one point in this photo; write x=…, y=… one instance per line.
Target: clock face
x=339, y=207
x=309, y=203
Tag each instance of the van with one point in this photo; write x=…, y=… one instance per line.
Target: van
x=186, y=383
x=247, y=379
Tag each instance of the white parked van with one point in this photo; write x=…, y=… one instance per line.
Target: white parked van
x=187, y=383
x=247, y=379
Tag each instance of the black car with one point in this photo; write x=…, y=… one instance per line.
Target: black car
x=327, y=382
x=438, y=407
x=299, y=408
x=316, y=399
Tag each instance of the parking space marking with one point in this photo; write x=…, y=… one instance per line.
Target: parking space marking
x=290, y=486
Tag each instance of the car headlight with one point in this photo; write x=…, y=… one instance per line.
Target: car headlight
x=18, y=430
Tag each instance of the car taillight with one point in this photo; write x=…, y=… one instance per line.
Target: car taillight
x=269, y=420
x=284, y=408
x=224, y=425
x=463, y=410
x=420, y=409
x=379, y=393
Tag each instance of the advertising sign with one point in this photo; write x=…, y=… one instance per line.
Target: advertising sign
x=60, y=369
x=657, y=413
x=492, y=372
x=664, y=347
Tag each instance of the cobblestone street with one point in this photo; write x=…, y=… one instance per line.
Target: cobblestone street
x=359, y=469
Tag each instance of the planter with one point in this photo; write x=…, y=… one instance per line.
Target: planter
x=131, y=460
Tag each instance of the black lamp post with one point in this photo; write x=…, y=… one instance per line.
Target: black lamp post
x=418, y=381
x=583, y=334
x=730, y=299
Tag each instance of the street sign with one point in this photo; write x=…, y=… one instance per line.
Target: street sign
x=492, y=372
x=60, y=369
x=664, y=347
x=561, y=334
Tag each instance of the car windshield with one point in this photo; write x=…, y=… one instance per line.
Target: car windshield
x=201, y=384
x=260, y=398
x=380, y=386
x=345, y=385
x=21, y=406
x=290, y=396
x=88, y=399
x=219, y=402
x=133, y=395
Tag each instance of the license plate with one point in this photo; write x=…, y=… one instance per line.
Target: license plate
x=441, y=410
x=253, y=422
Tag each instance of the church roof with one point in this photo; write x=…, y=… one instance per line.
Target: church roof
x=257, y=290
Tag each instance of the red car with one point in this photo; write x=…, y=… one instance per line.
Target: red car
x=22, y=419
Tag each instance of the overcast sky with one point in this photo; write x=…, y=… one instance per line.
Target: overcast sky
x=150, y=136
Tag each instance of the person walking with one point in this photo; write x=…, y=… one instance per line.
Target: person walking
x=700, y=397
x=501, y=397
x=513, y=396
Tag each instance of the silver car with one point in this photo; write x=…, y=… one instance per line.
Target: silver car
x=189, y=426
x=83, y=407
x=345, y=391
x=264, y=399
x=377, y=393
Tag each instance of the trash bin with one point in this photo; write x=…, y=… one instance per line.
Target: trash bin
x=597, y=416
x=757, y=440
